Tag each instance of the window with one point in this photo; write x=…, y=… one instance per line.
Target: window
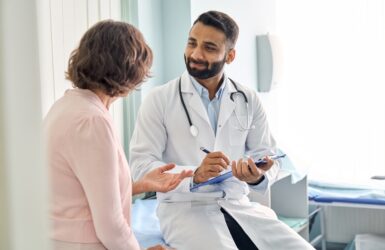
x=332, y=99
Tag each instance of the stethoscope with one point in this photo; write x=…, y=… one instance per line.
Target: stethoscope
x=194, y=130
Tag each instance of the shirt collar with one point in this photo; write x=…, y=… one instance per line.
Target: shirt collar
x=202, y=91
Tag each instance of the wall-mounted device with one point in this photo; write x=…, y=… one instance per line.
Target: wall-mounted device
x=269, y=62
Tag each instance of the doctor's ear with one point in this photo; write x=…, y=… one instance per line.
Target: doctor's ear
x=230, y=56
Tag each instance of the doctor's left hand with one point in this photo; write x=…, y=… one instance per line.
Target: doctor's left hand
x=158, y=180
x=247, y=171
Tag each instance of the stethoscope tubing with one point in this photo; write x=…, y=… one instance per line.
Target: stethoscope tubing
x=193, y=128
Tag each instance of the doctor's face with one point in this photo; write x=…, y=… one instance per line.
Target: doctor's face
x=206, y=52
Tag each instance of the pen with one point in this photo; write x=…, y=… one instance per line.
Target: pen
x=258, y=163
x=205, y=150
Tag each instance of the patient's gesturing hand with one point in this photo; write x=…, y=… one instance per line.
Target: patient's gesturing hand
x=159, y=180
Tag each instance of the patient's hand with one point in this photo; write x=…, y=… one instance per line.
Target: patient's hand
x=247, y=170
x=160, y=247
x=159, y=181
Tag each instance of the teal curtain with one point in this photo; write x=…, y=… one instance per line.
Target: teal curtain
x=132, y=101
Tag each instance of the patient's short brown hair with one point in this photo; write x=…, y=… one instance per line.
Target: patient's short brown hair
x=112, y=56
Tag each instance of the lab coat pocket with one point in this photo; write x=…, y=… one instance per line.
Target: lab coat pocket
x=239, y=129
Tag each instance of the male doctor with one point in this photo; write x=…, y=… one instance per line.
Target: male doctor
x=205, y=108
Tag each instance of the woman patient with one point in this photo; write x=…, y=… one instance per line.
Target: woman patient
x=90, y=181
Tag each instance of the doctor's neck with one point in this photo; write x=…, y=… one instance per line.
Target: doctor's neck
x=212, y=84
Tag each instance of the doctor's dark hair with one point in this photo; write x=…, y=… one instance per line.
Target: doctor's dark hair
x=222, y=22
x=112, y=57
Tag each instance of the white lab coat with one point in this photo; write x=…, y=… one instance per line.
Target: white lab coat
x=193, y=220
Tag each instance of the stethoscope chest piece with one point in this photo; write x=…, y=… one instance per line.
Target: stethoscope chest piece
x=194, y=131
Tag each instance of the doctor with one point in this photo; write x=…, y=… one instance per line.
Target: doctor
x=204, y=107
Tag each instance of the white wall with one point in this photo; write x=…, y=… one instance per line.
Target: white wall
x=254, y=17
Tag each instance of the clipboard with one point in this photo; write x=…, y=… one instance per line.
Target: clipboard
x=229, y=174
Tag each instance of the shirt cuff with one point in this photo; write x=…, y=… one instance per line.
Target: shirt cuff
x=260, y=186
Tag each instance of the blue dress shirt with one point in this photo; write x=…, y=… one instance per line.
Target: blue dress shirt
x=212, y=106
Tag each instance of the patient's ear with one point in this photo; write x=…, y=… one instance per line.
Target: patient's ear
x=230, y=56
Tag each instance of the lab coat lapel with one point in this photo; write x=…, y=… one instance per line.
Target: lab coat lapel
x=194, y=102
x=227, y=105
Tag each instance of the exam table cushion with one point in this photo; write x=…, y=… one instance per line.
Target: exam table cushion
x=326, y=194
x=145, y=223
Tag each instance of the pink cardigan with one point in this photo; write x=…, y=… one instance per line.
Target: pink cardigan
x=91, y=184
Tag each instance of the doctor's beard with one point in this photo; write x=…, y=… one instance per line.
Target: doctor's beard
x=206, y=73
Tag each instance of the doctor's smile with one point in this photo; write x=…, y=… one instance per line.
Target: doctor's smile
x=195, y=63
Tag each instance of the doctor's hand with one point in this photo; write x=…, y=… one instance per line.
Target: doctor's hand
x=159, y=180
x=247, y=171
x=212, y=165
